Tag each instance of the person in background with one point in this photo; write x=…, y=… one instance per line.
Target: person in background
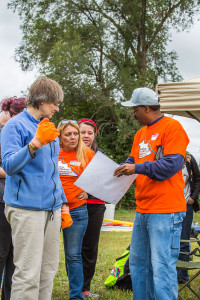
x=33, y=192
x=157, y=156
x=9, y=108
x=96, y=209
x=13, y=105
x=191, y=176
x=74, y=156
x=4, y=117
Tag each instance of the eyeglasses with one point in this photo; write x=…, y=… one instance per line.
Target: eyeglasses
x=64, y=122
x=136, y=109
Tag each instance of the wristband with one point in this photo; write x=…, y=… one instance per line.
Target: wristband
x=32, y=147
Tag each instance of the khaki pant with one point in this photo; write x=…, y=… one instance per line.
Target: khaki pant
x=36, y=241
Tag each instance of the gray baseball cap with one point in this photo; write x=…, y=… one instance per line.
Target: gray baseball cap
x=142, y=96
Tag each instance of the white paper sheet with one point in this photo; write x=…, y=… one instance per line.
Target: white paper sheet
x=97, y=179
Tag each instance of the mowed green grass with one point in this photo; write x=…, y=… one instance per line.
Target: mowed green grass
x=111, y=246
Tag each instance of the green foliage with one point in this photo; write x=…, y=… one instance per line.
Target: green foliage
x=99, y=51
x=117, y=39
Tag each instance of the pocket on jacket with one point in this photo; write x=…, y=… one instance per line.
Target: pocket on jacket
x=28, y=191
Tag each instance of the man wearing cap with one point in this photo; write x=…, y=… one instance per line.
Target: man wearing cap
x=157, y=156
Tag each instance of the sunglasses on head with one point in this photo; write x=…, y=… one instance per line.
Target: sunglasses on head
x=67, y=122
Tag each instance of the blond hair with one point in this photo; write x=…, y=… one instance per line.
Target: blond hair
x=80, y=148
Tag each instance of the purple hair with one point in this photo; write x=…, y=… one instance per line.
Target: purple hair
x=13, y=105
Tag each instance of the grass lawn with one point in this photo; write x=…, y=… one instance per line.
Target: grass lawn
x=112, y=245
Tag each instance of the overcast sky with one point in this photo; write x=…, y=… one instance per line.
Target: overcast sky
x=187, y=46
x=14, y=81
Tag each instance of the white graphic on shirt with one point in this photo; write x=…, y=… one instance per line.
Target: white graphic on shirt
x=65, y=169
x=154, y=136
x=75, y=163
x=145, y=149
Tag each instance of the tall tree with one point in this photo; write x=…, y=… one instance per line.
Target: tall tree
x=100, y=50
x=123, y=39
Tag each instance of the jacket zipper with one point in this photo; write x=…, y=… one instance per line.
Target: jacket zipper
x=51, y=216
x=18, y=189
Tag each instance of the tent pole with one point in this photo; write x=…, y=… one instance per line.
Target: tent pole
x=191, y=115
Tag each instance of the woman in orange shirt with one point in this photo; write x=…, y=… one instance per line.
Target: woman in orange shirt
x=74, y=156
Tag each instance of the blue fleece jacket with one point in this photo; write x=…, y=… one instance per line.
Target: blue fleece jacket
x=32, y=182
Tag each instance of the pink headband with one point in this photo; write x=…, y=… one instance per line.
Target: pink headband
x=88, y=120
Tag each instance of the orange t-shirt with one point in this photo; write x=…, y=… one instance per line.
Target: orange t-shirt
x=165, y=196
x=69, y=170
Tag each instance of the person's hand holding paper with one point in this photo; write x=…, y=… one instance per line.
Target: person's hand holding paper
x=125, y=169
x=99, y=181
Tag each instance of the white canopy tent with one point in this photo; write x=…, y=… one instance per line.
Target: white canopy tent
x=181, y=98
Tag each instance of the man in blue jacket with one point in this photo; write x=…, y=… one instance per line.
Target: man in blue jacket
x=33, y=191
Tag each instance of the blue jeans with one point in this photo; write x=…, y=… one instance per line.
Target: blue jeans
x=185, y=235
x=154, y=251
x=73, y=238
